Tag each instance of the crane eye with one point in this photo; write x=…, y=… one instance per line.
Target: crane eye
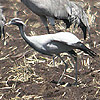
x=13, y=21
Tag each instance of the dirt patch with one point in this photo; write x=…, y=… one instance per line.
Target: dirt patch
x=28, y=75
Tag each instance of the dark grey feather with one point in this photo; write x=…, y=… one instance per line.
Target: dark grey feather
x=69, y=11
x=82, y=47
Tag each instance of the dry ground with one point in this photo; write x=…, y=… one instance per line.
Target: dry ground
x=28, y=75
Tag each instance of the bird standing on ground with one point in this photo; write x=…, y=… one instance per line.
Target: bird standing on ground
x=54, y=44
x=68, y=11
x=2, y=23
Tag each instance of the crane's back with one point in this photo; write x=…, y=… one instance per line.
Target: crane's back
x=53, y=8
x=66, y=37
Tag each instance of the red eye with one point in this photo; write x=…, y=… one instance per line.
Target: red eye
x=13, y=21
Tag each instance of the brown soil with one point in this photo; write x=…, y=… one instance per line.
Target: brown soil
x=28, y=75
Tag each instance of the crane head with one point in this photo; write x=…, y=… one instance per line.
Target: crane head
x=16, y=21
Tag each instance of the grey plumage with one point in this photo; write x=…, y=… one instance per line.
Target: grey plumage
x=68, y=11
x=54, y=44
x=2, y=23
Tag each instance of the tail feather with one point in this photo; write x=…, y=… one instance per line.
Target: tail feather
x=84, y=29
x=68, y=23
x=82, y=47
x=90, y=52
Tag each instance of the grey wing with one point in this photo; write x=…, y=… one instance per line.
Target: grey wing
x=79, y=11
x=59, y=9
x=63, y=8
x=60, y=42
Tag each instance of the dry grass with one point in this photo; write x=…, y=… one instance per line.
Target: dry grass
x=29, y=67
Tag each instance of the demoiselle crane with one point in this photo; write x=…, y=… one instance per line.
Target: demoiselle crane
x=68, y=11
x=2, y=23
x=54, y=44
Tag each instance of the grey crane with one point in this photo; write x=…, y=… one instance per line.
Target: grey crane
x=68, y=11
x=54, y=44
x=2, y=23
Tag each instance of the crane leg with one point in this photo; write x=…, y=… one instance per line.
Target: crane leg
x=66, y=66
x=0, y=32
x=52, y=22
x=54, y=61
x=3, y=34
x=44, y=20
x=74, y=55
x=75, y=58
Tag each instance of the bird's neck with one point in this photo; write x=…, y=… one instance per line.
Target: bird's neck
x=25, y=37
x=22, y=31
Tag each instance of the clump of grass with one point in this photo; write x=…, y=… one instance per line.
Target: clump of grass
x=22, y=72
x=91, y=16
